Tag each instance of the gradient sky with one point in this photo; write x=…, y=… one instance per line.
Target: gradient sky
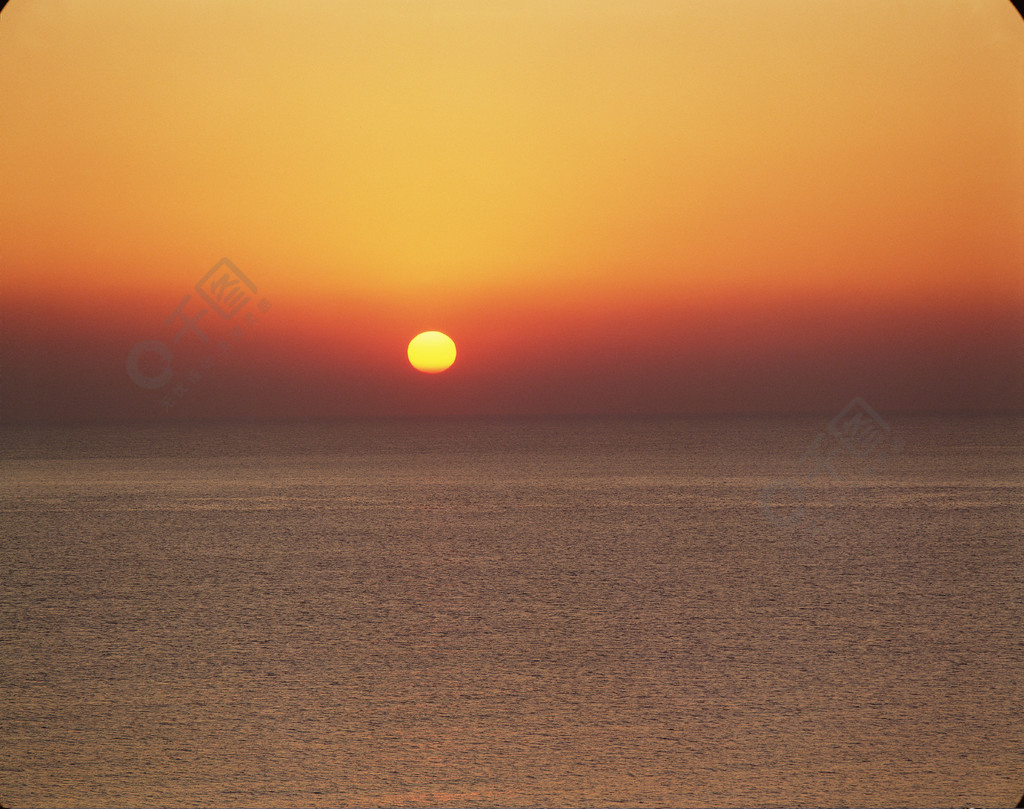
x=611, y=206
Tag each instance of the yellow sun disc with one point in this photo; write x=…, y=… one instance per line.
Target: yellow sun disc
x=431, y=352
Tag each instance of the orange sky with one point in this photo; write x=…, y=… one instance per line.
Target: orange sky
x=616, y=206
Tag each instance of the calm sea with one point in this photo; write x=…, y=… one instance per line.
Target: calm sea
x=589, y=612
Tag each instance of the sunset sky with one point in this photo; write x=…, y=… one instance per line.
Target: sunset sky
x=612, y=206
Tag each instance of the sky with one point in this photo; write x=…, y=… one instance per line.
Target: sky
x=611, y=206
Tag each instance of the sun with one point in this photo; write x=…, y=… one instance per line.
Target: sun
x=431, y=352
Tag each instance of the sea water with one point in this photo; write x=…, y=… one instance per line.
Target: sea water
x=561, y=612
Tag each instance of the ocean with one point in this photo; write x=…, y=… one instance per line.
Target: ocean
x=727, y=611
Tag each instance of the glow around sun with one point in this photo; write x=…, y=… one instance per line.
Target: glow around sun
x=432, y=352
